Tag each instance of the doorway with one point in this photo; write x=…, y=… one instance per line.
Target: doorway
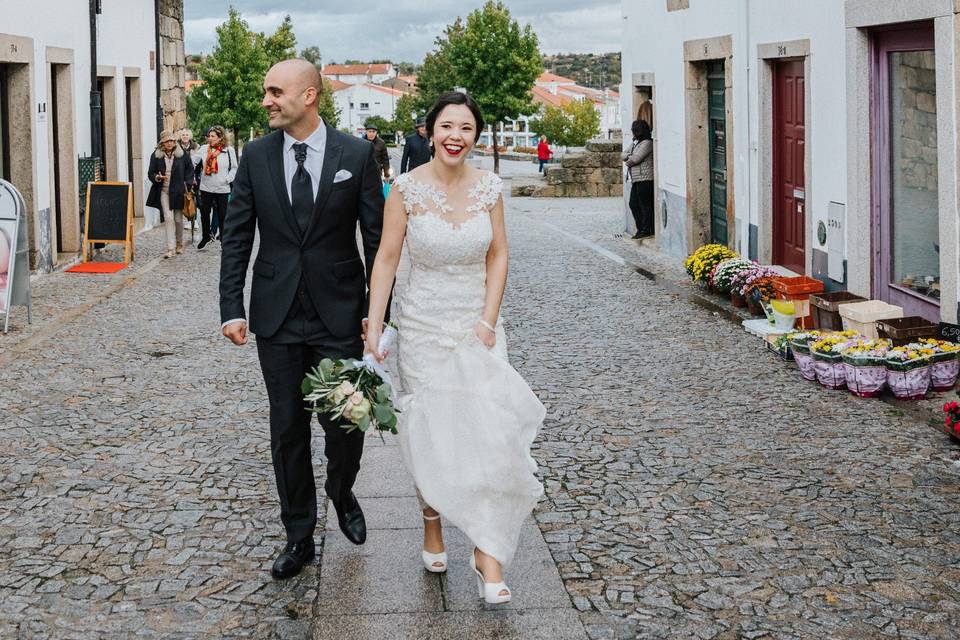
x=906, y=215
x=4, y=124
x=717, y=136
x=789, y=157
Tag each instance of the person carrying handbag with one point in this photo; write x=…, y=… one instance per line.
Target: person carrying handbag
x=171, y=175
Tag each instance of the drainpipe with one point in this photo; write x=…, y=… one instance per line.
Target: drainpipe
x=95, y=102
x=157, y=58
x=749, y=61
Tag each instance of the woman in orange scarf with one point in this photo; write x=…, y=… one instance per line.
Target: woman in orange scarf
x=218, y=169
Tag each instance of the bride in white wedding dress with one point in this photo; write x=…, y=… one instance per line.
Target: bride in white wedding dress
x=468, y=419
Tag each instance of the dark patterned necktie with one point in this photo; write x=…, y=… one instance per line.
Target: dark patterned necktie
x=301, y=189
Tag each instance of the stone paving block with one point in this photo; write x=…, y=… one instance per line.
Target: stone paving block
x=383, y=575
x=382, y=475
x=384, y=513
x=555, y=624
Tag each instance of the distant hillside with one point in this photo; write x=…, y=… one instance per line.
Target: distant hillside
x=599, y=71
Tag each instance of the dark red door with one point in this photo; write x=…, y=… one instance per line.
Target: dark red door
x=789, y=182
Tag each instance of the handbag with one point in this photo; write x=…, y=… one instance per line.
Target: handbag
x=189, y=206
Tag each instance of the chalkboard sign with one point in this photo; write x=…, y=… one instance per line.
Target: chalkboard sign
x=14, y=254
x=949, y=332
x=109, y=216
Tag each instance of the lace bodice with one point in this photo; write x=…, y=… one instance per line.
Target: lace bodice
x=442, y=231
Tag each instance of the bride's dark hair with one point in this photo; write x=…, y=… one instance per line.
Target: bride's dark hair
x=454, y=97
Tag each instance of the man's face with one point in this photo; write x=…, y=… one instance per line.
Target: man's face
x=371, y=134
x=422, y=130
x=285, y=98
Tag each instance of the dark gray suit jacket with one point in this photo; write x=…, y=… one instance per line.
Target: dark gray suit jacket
x=326, y=255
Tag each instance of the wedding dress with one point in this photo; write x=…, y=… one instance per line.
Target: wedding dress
x=467, y=417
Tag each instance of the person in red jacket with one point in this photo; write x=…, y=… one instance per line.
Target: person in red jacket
x=543, y=152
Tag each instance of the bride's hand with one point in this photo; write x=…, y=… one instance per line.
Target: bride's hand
x=372, y=343
x=486, y=336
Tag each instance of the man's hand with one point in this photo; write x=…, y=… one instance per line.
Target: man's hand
x=236, y=332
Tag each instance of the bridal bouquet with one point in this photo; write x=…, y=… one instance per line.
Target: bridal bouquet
x=357, y=392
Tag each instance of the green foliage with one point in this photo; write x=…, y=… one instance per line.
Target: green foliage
x=233, y=82
x=498, y=63
x=312, y=55
x=282, y=45
x=381, y=123
x=327, y=107
x=403, y=119
x=599, y=71
x=570, y=125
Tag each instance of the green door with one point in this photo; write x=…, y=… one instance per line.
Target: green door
x=717, y=116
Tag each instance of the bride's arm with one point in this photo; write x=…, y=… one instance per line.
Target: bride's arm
x=497, y=263
x=385, y=266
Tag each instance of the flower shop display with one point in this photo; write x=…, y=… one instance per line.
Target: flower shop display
x=721, y=278
x=701, y=262
x=865, y=366
x=827, y=358
x=758, y=291
x=952, y=417
x=784, y=314
x=908, y=371
x=800, y=345
x=944, y=363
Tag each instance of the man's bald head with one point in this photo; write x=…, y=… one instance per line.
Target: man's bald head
x=291, y=90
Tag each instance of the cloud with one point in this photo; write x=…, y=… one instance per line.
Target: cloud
x=404, y=30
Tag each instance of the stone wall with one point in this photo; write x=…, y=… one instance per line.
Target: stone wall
x=173, y=97
x=915, y=87
x=598, y=173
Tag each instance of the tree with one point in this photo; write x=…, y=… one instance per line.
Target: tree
x=498, y=63
x=437, y=74
x=232, y=78
x=382, y=124
x=312, y=55
x=570, y=125
x=282, y=45
x=403, y=118
x=326, y=107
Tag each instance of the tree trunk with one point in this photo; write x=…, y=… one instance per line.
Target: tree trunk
x=496, y=148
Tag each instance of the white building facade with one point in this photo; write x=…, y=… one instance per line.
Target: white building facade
x=357, y=102
x=819, y=135
x=46, y=81
x=360, y=73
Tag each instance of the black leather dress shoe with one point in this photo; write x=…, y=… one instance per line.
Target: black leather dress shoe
x=294, y=557
x=351, y=520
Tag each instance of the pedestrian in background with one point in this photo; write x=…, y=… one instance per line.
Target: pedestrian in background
x=639, y=161
x=544, y=153
x=186, y=142
x=171, y=175
x=216, y=177
x=379, y=150
x=416, y=148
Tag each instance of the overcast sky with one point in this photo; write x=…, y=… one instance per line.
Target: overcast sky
x=403, y=30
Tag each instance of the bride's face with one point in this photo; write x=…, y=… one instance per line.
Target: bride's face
x=454, y=134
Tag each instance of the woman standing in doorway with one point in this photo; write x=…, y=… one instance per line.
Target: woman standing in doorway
x=639, y=161
x=216, y=177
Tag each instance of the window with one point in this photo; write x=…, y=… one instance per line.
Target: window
x=364, y=105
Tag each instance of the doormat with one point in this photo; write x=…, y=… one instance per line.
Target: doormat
x=97, y=267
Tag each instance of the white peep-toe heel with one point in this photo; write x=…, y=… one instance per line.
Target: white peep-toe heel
x=434, y=562
x=489, y=591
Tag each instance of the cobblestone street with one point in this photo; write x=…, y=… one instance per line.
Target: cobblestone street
x=696, y=486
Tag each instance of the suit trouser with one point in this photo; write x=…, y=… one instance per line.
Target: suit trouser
x=284, y=367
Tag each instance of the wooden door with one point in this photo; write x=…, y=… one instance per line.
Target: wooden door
x=789, y=181
x=717, y=131
x=906, y=216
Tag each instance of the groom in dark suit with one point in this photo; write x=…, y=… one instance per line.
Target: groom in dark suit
x=305, y=187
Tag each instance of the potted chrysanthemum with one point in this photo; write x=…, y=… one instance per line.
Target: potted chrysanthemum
x=721, y=279
x=701, y=262
x=800, y=346
x=944, y=365
x=908, y=371
x=866, y=370
x=826, y=352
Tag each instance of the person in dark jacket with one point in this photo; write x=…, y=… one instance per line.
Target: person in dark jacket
x=171, y=173
x=379, y=150
x=639, y=161
x=416, y=149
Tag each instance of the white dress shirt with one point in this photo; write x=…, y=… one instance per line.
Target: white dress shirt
x=316, y=146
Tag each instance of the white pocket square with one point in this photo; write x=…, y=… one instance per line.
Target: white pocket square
x=342, y=175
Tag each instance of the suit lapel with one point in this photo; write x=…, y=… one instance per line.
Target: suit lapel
x=331, y=164
x=275, y=163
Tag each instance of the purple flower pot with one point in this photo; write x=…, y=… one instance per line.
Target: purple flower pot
x=943, y=375
x=806, y=365
x=831, y=375
x=866, y=382
x=909, y=385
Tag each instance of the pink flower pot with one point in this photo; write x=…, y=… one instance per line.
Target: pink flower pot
x=806, y=365
x=831, y=375
x=943, y=375
x=866, y=382
x=909, y=385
